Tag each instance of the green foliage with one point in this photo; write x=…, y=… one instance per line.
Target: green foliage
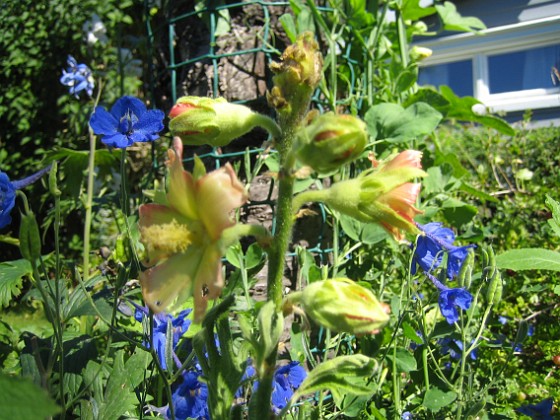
x=12, y=274
x=21, y=399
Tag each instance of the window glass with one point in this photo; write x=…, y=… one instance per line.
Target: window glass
x=521, y=70
x=458, y=76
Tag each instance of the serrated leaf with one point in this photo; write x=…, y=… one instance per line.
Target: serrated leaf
x=453, y=21
x=11, y=278
x=367, y=233
x=119, y=396
x=435, y=399
x=392, y=122
x=16, y=395
x=529, y=259
x=343, y=374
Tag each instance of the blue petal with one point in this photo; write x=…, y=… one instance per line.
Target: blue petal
x=118, y=140
x=7, y=200
x=150, y=124
x=103, y=123
x=127, y=104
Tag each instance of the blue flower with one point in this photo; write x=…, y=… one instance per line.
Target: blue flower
x=190, y=398
x=8, y=193
x=128, y=122
x=454, y=348
x=287, y=379
x=179, y=325
x=78, y=77
x=407, y=415
x=7, y=200
x=431, y=246
x=451, y=298
x=502, y=320
x=540, y=411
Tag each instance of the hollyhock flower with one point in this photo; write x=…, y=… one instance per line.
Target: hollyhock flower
x=380, y=195
x=540, y=411
x=450, y=299
x=181, y=234
x=179, y=325
x=190, y=398
x=8, y=193
x=128, y=122
x=431, y=245
x=77, y=77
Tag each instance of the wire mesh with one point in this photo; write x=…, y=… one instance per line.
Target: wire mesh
x=208, y=61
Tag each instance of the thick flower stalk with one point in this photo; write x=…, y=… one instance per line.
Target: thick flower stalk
x=198, y=121
x=380, y=195
x=181, y=233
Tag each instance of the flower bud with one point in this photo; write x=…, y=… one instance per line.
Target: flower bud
x=418, y=53
x=330, y=141
x=382, y=195
x=198, y=120
x=343, y=305
x=297, y=75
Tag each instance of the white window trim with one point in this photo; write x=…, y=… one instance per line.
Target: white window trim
x=499, y=40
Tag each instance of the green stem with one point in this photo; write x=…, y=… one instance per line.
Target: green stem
x=232, y=234
x=315, y=196
x=268, y=124
x=89, y=203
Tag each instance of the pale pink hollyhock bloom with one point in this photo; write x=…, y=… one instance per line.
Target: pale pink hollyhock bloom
x=181, y=234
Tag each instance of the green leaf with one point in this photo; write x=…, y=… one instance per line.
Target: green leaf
x=478, y=193
x=367, y=233
x=462, y=109
x=22, y=399
x=343, y=374
x=411, y=10
x=410, y=333
x=435, y=399
x=554, y=207
x=289, y=25
x=393, y=123
x=529, y=259
x=457, y=212
x=11, y=275
x=119, y=394
x=453, y=21
x=404, y=360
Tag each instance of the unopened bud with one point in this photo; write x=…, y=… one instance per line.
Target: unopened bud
x=342, y=305
x=198, y=120
x=330, y=141
x=418, y=53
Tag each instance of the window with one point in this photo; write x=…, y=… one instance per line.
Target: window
x=509, y=68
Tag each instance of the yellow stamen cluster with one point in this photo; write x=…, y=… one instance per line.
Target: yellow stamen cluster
x=167, y=238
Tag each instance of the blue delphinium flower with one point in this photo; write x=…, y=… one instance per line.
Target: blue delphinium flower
x=77, y=77
x=128, y=122
x=8, y=193
x=179, y=326
x=540, y=411
x=450, y=299
x=190, y=398
x=407, y=415
x=454, y=348
x=431, y=246
x=502, y=320
x=287, y=379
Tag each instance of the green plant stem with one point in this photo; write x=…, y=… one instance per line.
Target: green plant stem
x=233, y=234
x=89, y=203
x=315, y=196
x=268, y=124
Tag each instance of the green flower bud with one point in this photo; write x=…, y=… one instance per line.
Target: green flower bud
x=495, y=289
x=198, y=120
x=382, y=195
x=330, y=141
x=345, y=306
x=297, y=75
